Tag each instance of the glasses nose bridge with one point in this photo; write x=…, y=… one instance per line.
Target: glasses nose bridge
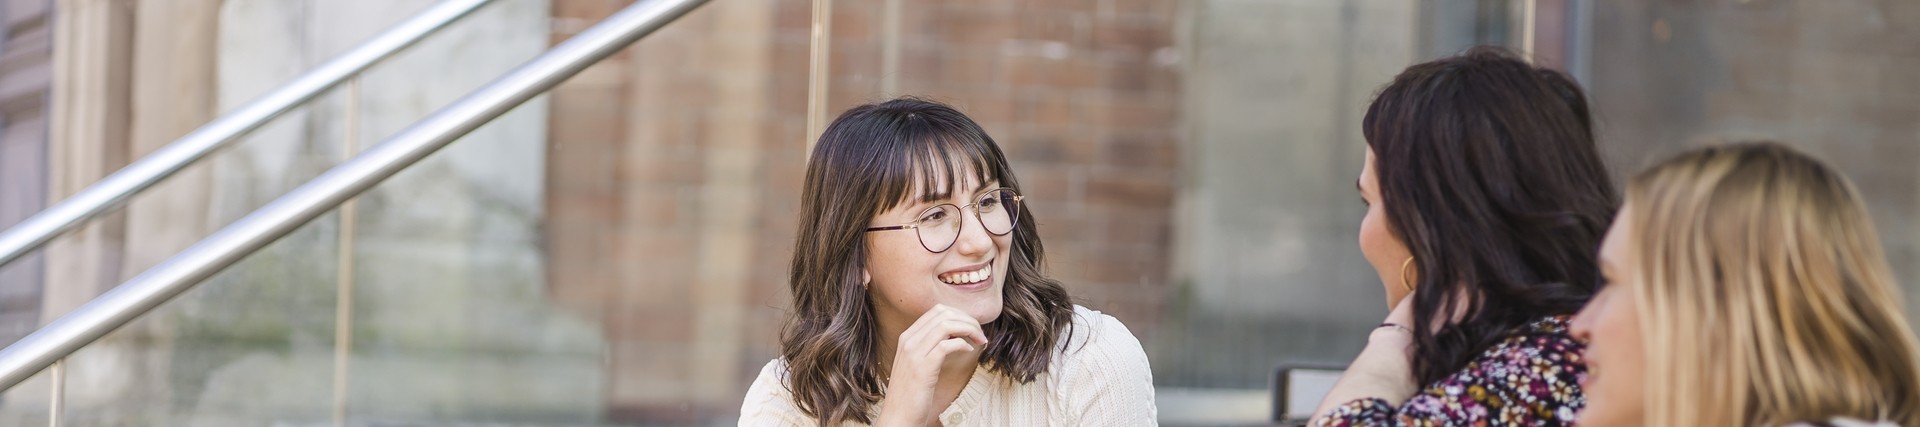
x=960, y=228
x=960, y=224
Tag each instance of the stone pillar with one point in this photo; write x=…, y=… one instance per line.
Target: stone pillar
x=92, y=54
x=92, y=62
x=26, y=51
x=172, y=94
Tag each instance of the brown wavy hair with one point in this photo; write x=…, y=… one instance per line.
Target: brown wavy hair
x=865, y=163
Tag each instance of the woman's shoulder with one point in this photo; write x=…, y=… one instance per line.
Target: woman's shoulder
x=1546, y=341
x=1558, y=324
x=1550, y=335
x=1099, y=374
x=1541, y=352
x=770, y=388
x=1097, y=344
x=1537, y=365
x=774, y=372
x=1092, y=330
x=768, y=402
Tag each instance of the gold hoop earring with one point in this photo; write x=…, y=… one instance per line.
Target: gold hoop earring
x=1403, y=274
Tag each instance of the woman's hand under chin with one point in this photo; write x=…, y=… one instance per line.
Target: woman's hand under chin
x=942, y=340
x=1384, y=369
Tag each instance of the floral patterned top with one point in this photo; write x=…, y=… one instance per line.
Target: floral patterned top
x=1530, y=379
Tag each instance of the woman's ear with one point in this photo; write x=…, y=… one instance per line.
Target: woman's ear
x=865, y=278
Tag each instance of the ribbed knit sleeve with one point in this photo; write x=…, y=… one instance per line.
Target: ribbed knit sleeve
x=1101, y=375
x=768, y=403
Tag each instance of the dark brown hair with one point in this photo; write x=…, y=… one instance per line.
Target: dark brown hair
x=867, y=162
x=1490, y=176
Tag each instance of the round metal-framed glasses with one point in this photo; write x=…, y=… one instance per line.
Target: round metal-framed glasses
x=939, y=227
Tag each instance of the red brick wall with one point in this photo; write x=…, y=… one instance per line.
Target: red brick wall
x=1080, y=93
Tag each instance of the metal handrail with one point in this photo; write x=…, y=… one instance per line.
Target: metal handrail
x=323, y=193
x=138, y=176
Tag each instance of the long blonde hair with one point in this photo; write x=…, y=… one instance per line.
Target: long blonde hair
x=1764, y=296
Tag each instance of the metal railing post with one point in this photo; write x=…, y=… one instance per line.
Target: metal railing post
x=123, y=184
x=323, y=193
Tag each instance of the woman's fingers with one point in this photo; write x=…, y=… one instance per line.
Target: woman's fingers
x=939, y=323
x=935, y=334
x=919, y=326
x=951, y=346
x=965, y=328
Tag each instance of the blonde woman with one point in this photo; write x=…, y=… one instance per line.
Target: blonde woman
x=1746, y=288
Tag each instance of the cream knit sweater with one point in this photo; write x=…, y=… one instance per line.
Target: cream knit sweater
x=1098, y=378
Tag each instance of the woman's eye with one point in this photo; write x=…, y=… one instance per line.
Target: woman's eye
x=934, y=216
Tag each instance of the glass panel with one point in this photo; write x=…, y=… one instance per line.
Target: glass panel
x=1271, y=272
x=1834, y=81
x=27, y=404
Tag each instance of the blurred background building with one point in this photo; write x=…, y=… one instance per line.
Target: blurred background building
x=615, y=253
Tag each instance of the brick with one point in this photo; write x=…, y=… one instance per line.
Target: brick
x=1145, y=149
x=854, y=59
x=1050, y=112
x=667, y=166
x=793, y=16
x=788, y=90
x=1136, y=37
x=663, y=320
x=1140, y=77
x=1134, y=113
x=1028, y=72
x=639, y=366
x=1045, y=184
x=852, y=23
x=1072, y=27
x=1140, y=7
x=1030, y=147
x=593, y=209
x=1145, y=229
x=977, y=27
x=1130, y=190
x=1054, y=229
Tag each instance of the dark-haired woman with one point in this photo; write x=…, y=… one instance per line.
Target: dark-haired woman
x=1486, y=202
x=918, y=298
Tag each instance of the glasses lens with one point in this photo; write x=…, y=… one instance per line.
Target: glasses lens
x=938, y=227
x=997, y=209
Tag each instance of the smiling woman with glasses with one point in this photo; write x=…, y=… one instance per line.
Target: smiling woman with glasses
x=918, y=298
